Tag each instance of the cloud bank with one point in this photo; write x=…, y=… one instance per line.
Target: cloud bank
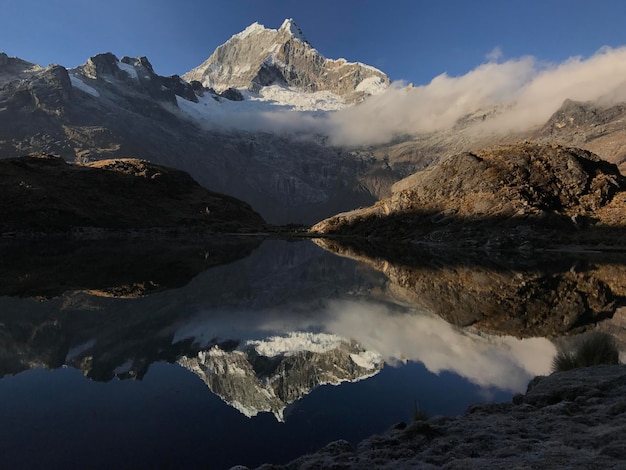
x=513, y=96
x=504, y=362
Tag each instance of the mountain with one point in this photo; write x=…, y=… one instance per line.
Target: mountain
x=596, y=126
x=253, y=122
x=260, y=57
x=111, y=108
x=509, y=196
x=45, y=194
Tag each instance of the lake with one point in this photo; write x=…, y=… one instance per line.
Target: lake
x=225, y=352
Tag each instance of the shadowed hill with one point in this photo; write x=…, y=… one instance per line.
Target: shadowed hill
x=44, y=194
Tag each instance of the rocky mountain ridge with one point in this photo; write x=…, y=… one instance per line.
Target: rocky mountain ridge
x=259, y=57
x=599, y=127
x=110, y=108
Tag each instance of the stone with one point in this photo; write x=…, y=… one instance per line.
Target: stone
x=553, y=433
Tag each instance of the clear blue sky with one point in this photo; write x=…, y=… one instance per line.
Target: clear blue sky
x=412, y=40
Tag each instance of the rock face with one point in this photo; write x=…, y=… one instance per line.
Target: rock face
x=595, y=126
x=259, y=57
x=519, y=190
x=44, y=194
x=568, y=420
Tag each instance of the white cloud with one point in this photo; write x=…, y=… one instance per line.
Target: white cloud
x=504, y=362
x=494, y=55
x=524, y=91
x=501, y=361
x=432, y=107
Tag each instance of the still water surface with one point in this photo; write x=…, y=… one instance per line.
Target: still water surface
x=208, y=359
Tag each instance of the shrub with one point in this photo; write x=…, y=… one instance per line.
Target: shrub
x=419, y=414
x=591, y=350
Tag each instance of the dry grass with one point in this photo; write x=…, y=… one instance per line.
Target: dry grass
x=593, y=349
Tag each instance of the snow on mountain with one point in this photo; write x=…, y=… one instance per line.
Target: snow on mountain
x=78, y=83
x=129, y=69
x=260, y=57
x=294, y=342
x=291, y=26
x=372, y=85
x=218, y=112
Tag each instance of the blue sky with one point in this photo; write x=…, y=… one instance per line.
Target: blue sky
x=412, y=40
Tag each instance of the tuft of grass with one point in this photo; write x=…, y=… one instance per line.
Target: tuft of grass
x=418, y=414
x=593, y=349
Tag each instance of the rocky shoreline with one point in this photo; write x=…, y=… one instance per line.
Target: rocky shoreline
x=568, y=420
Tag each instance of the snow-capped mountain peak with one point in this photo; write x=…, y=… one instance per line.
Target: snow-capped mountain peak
x=290, y=25
x=250, y=30
x=260, y=57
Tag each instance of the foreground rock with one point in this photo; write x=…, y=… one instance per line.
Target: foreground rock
x=43, y=194
x=573, y=420
x=509, y=196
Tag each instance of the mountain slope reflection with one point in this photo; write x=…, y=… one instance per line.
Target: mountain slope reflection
x=375, y=329
x=111, y=268
x=264, y=330
x=254, y=380
x=518, y=295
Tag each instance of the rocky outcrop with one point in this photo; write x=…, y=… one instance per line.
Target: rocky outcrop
x=503, y=197
x=259, y=57
x=568, y=420
x=44, y=194
x=137, y=73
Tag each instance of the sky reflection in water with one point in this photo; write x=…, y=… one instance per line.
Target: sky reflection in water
x=170, y=417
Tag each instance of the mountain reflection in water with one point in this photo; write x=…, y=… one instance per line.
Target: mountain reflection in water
x=263, y=332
